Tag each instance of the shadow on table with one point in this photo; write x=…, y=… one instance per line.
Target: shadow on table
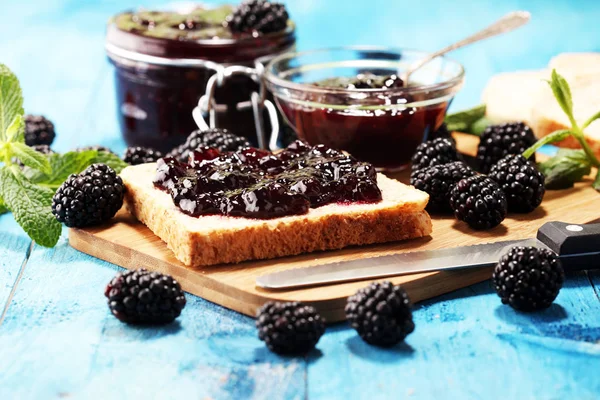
x=263, y=354
x=554, y=313
x=549, y=323
x=393, y=354
x=573, y=279
x=142, y=332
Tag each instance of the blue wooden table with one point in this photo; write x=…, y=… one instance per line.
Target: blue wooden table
x=58, y=340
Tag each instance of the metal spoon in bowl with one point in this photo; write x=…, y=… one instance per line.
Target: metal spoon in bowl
x=509, y=22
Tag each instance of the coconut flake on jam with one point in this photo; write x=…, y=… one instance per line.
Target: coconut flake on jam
x=255, y=183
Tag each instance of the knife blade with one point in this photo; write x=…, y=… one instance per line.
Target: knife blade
x=576, y=245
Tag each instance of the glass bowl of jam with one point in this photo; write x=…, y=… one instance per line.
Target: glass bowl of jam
x=163, y=60
x=354, y=99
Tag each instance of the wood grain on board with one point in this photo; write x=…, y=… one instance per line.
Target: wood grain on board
x=130, y=244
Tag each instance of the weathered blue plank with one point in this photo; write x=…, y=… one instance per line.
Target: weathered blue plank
x=14, y=250
x=468, y=345
x=59, y=339
x=594, y=277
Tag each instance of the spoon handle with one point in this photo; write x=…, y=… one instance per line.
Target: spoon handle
x=509, y=22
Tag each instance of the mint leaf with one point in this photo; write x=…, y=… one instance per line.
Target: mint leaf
x=596, y=184
x=479, y=126
x=73, y=162
x=11, y=100
x=555, y=136
x=461, y=121
x=110, y=159
x=31, y=207
x=14, y=133
x=590, y=120
x=562, y=92
x=30, y=157
x=62, y=166
x=565, y=168
x=3, y=208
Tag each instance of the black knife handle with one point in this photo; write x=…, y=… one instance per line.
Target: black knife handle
x=577, y=245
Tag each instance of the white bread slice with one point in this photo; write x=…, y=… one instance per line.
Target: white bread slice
x=216, y=239
x=575, y=63
x=525, y=96
x=510, y=96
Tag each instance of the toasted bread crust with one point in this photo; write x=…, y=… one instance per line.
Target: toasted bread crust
x=218, y=239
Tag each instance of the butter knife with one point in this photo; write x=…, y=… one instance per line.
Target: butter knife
x=578, y=247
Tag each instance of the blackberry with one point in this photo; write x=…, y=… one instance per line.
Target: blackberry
x=38, y=130
x=258, y=16
x=141, y=155
x=443, y=133
x=528, y=278
x=520, y=180
x=143, y=297
x=220, y=139
x=381, y=314
x=436, y=152
x=40, y=148
x=438, y=181
x=497, y=141
x=479, y=202
x=289, y=328
x=90, y=198
x=223, y=140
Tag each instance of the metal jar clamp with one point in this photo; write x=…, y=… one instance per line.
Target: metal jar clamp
x=258, y=101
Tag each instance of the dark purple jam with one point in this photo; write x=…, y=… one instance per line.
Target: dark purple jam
x=363, y=81
x=155, y=100
x=255, y=183
x=385, y=137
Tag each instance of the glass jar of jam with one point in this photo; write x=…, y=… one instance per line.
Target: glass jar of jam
x=354, y=99
x=163, y=61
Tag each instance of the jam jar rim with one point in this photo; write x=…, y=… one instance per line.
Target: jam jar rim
x=136, y=54
x=275, y=83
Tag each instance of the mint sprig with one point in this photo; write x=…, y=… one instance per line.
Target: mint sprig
x=30, y=158
x=596, y=183
x=73, y=162
x=466, y=120
x=3, y=209
x=30, y=205
x=567, y=166
x=110, y=159
x=27, y=192
x=11, y=101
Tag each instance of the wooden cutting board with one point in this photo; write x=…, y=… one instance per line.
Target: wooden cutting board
x=130, y=244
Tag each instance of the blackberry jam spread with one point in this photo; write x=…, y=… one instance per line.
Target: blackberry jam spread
x=163, y=61
x=255, y=183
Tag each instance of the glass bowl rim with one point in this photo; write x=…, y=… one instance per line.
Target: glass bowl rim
x=271, y=78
